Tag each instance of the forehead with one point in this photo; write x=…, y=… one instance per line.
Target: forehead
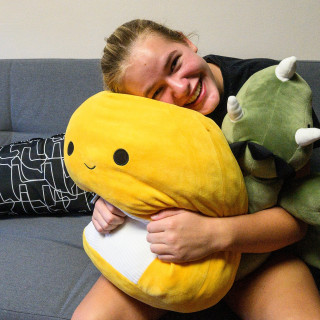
x=148, y=51
x=145, y=62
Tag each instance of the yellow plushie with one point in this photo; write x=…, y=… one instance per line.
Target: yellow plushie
x=144, y=156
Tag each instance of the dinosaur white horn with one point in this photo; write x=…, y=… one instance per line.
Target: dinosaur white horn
x=286, y=68
x=306, y=136
x=234, y=109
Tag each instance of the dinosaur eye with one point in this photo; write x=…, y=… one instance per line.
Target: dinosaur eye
x=70, y=148
x=121, y=157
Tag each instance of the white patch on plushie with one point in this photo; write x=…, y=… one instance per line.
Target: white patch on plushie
x=129, y=238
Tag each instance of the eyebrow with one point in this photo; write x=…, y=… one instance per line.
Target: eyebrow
x=166, y=66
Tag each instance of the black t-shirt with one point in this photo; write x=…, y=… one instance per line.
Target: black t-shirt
x=235, y=73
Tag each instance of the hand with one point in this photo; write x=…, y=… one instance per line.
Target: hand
x=179, y=236
x=106, y=217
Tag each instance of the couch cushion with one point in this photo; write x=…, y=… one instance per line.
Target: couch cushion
x=44, y=270
x=38, y=96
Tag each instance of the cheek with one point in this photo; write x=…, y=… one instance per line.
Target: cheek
x=198, y=65
x=192, y=62
x=212, y=101
x=167, y=98
x=214, y=94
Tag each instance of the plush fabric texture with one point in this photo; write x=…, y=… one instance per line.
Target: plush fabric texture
x=143, y=156
x=273, y=112
x=302, y=199
x=34, y=180
x=265, y=146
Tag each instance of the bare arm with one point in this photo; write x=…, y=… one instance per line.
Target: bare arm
x=179, y=235
x=264, y=231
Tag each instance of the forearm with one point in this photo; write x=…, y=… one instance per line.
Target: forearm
x=264, y=231
x=178, y=235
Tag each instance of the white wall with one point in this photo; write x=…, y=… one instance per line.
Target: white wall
x=241, y=28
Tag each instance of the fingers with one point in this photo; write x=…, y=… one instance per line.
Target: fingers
x=106, y=217
x=165, y=257
x=160, y=236
x=163, y=252
x=175, y=235
x=114, y=210
x=165, y=214
x=154, y=227
x=163, y=242
x=155, y=238
x=167, y=253
x=163, y=220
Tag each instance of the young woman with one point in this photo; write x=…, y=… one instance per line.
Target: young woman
x=147, y=59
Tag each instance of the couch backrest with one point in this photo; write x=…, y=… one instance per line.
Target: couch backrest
x=38, y=96
x=310, y=71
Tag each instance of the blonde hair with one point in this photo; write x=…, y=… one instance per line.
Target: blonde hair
x=119, y=44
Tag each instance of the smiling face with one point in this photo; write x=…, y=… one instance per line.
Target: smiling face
x=171, y=72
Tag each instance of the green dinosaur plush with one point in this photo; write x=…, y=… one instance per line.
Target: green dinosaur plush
x=269, y=128
x=301, y=198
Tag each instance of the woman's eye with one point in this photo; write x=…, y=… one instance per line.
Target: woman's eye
x=156, y=94
x=174, y=64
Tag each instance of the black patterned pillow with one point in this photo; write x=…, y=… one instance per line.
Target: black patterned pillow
x=34, y=180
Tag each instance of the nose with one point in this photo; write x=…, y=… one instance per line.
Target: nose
x=178, y=90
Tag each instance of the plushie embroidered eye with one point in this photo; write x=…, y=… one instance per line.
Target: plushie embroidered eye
x=121, y=157
x=70, y=148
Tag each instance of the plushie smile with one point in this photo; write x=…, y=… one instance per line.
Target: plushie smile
x=90, y=168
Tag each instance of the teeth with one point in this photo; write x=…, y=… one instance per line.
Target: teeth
x=195, y=95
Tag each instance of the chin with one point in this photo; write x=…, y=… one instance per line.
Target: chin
x=211, y=103
x=209, y=108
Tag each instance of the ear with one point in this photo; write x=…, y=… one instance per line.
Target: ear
x=190, y=44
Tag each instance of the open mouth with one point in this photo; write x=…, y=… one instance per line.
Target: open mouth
x=90, y=168
x=196, y=94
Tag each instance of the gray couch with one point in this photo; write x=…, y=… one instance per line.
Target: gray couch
x=44, y=272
